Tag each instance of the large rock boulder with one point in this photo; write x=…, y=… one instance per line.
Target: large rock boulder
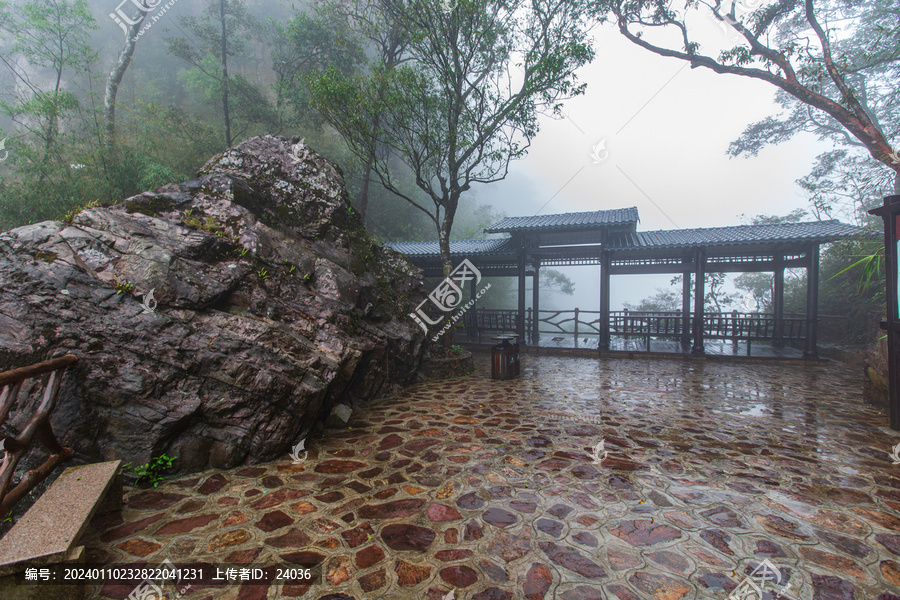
x=270, y=304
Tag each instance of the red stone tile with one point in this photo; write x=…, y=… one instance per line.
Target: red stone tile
x=186, y=524
x=409, y=575
x=294, y=538
x=153, y=500
x=439, y=513
x=139, y=547
x=572, y=560
x=369, y=556
x=274, y=520
x=403, y=536
x=130, y=528
x=213, y=484
x=537, y=582
x=459, y=576
x=391, y=510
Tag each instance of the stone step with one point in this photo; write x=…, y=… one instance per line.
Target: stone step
x=51, y=528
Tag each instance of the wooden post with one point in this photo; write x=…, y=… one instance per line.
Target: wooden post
x=535, y=303
x=576, y=326
x=890, y=212
x=605, y=264
x=735, y=334
x=685, y=305
x=520, y=325
x=699, y=293
x=812, y=302
x=778, y=302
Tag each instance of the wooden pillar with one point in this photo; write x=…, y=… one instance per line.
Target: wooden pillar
x=520, y=324
x=535, y=303
x=778, y=301
x=812, y=302
x=686, y=305
x=699, y=293
x=605, y=264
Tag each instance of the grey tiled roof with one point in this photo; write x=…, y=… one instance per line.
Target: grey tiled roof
x=814, y=231
x=457, y=248
x=577, y=220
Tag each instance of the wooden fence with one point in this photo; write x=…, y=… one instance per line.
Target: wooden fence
x=38, y=427
x=635, y=324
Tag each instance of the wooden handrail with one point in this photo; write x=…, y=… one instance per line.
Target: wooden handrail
x=38, y=426
x=17, y=375
x=646, y=324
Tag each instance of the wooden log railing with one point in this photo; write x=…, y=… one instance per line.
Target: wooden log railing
x=733, y=326
x=38, y=427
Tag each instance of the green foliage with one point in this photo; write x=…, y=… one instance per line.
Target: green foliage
x=662, y=301
x=417, y=105
x=151, y=472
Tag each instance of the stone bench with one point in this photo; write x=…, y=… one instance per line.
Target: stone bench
x=49, y=531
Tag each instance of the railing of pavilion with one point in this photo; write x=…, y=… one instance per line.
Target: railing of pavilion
x=581, y=324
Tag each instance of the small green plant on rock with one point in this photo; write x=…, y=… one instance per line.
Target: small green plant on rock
x=123, y=287
x=151, y=472
x=456, y=349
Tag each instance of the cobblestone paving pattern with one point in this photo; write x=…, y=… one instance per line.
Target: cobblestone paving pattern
x=488, y=489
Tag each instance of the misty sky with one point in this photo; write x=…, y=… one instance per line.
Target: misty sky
x=667, y=158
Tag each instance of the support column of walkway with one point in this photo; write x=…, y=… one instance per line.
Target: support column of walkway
x=685, y=305
x=699, y=294
x=812, y=302
x=535, y=303
x=605, y=264
x=778, y=301
x=520, y=325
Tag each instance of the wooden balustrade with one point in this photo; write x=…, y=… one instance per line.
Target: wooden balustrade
x=38, y=427
x=733, y=326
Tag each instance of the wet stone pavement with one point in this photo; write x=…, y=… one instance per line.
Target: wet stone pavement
x=489, y=489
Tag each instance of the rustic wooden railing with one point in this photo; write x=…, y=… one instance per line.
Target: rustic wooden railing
x=627, y=324
x=39, y=427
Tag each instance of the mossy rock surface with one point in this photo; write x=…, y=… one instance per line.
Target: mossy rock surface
x=451, y=367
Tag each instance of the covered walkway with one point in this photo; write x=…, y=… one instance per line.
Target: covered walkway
x=609, y=239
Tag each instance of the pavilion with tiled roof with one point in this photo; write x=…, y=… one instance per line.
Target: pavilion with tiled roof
x=610, y=239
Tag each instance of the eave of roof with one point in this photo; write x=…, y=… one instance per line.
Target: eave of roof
x=567, y=221
x=739, y=235
x=496, y=247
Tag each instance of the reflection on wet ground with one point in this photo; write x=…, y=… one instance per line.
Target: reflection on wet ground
x=501, y=489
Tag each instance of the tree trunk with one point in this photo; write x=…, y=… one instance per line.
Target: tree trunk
x=225, y=76
x=446, y=262
x=115, y=79
x=363, y=201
